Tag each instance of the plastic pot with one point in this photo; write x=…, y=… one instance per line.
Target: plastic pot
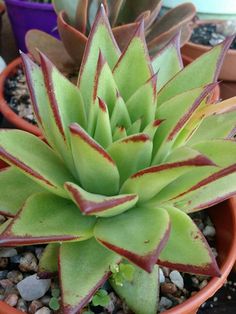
x=25, y=15
x=15, y=120
x=224, y=218
x=191, y=51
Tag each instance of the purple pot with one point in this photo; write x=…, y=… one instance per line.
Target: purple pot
x=25, y=15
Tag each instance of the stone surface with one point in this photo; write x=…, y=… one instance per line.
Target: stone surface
x=3, y=262
x=161, y=276
x=32, y=288
x=8, y=252
x=21, y=305
x=35, y=306
x=28, y=263
x=11, y=299
x=15, y=276
x=177, y=279
x=44, y=310
x=209, y=231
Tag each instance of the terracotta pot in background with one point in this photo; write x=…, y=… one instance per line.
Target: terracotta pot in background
x=15, y=120
x=191, y=51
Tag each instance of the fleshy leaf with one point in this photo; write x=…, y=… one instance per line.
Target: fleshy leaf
x=39, y=219
x=99, y=205
x=207, y=67
x=148, y=182
x=187, y=250
x=136, y=59
x=147, y=234
x=15, y=188
x=135, y=127
x=152, y=127
x=142, y=290
x=131, y=154
x=100, y=39
x=119, y=133
x=84, y=267
x=95, y=168
x=35, y=159
x=120, y=115
x=48, y=263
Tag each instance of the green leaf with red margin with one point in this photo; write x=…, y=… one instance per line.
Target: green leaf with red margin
x=46, y=115
x=35, y=159
x=119, y=133
x=100, y=205
x=15, y=188
x=103, y=134
x=146, y=94
x=68, y=6
x=167, y=62
x=152, y=127
x=96, y=170
x=100, y=39
x=84, y=267
x=135, y=127
x=147, y=234
x=147, y=183
x=131, y=154
x=120, y=115
x=187, y=250
x=176, y=112
x=48, y=262
x=143, y=290
x=47, y=218
x=207, y=67
x=136, y=59
x=4, y=225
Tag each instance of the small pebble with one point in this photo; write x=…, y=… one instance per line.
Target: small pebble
x=11, y=299
x=8, y=252
x=177, y=279
x=209, y=231
x=6, y=283
x=34, y=306
x=15, y=259
x=3, y=274
x=21, y=305
x=15, y=276
x=3, y=262
x=45, y=300
x=28, y=263
x=165, y=303
x=161, y=276
x=203, y=284
x=44, y=310
x=168, y=288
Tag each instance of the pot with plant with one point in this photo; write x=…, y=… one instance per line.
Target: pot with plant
x=130, y=152
x=31, y=14
x=74, y=22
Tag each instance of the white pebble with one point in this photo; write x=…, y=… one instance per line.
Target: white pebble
x=161, y=276
x=32, y=288
x=209, y=231
x=165, y=303
x=8, y=252
x=44, y=310
x=177, y=279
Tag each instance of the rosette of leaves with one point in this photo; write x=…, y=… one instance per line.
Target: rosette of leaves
x=128, y=154
x=75, y=18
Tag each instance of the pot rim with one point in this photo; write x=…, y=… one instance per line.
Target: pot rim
x=6, y=110
x=199, y=298
x=30, y=5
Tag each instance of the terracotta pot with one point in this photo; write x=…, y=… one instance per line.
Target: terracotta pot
x=5, y=109
x=224, y=218
x=191, y=51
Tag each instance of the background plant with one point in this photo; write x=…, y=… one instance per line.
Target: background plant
x=133, y=149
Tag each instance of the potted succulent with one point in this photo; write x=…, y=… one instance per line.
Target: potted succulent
x=67, y=54
x=30, y=14
x=129, y=153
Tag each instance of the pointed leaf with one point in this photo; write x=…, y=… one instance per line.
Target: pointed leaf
x=135, y=54
x=103, y=134
x=120, y=115
x=183, y=236
x=147, y=235
x=84, y=267
x=100, y=39
x=142, y=290
x=131, y=154
x=68, y=6
x=99, y=205
x=47, y=218
x=207, y=67
x=119, y=133
x=148, y=182
x=15, y=188
x=123, y=34
x=95, y=168
x=35, y=159
x=167, y=62
x=152, y=127
x=48, y=263
x=135, y=127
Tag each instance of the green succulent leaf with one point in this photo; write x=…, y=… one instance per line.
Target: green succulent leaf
x=136, y=59
x=39, y=219
x=147, y=234
x=100, y=39
x=54, y=304
x=187, y=249
x=131, y=154
x=99, y=205
x=101, y=298
x=15, y=188
x=140, y=294
x=84, y=266
x=48, y=263
x=120, y=115
x=35, y=159
x=92, y=161
x=209, y=63
x=149, y=182
x=119, y=133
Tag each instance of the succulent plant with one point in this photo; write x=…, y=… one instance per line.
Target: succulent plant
x=128, y=154
x=75, y=18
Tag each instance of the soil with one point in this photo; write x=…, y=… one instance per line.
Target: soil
x=212, y=34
